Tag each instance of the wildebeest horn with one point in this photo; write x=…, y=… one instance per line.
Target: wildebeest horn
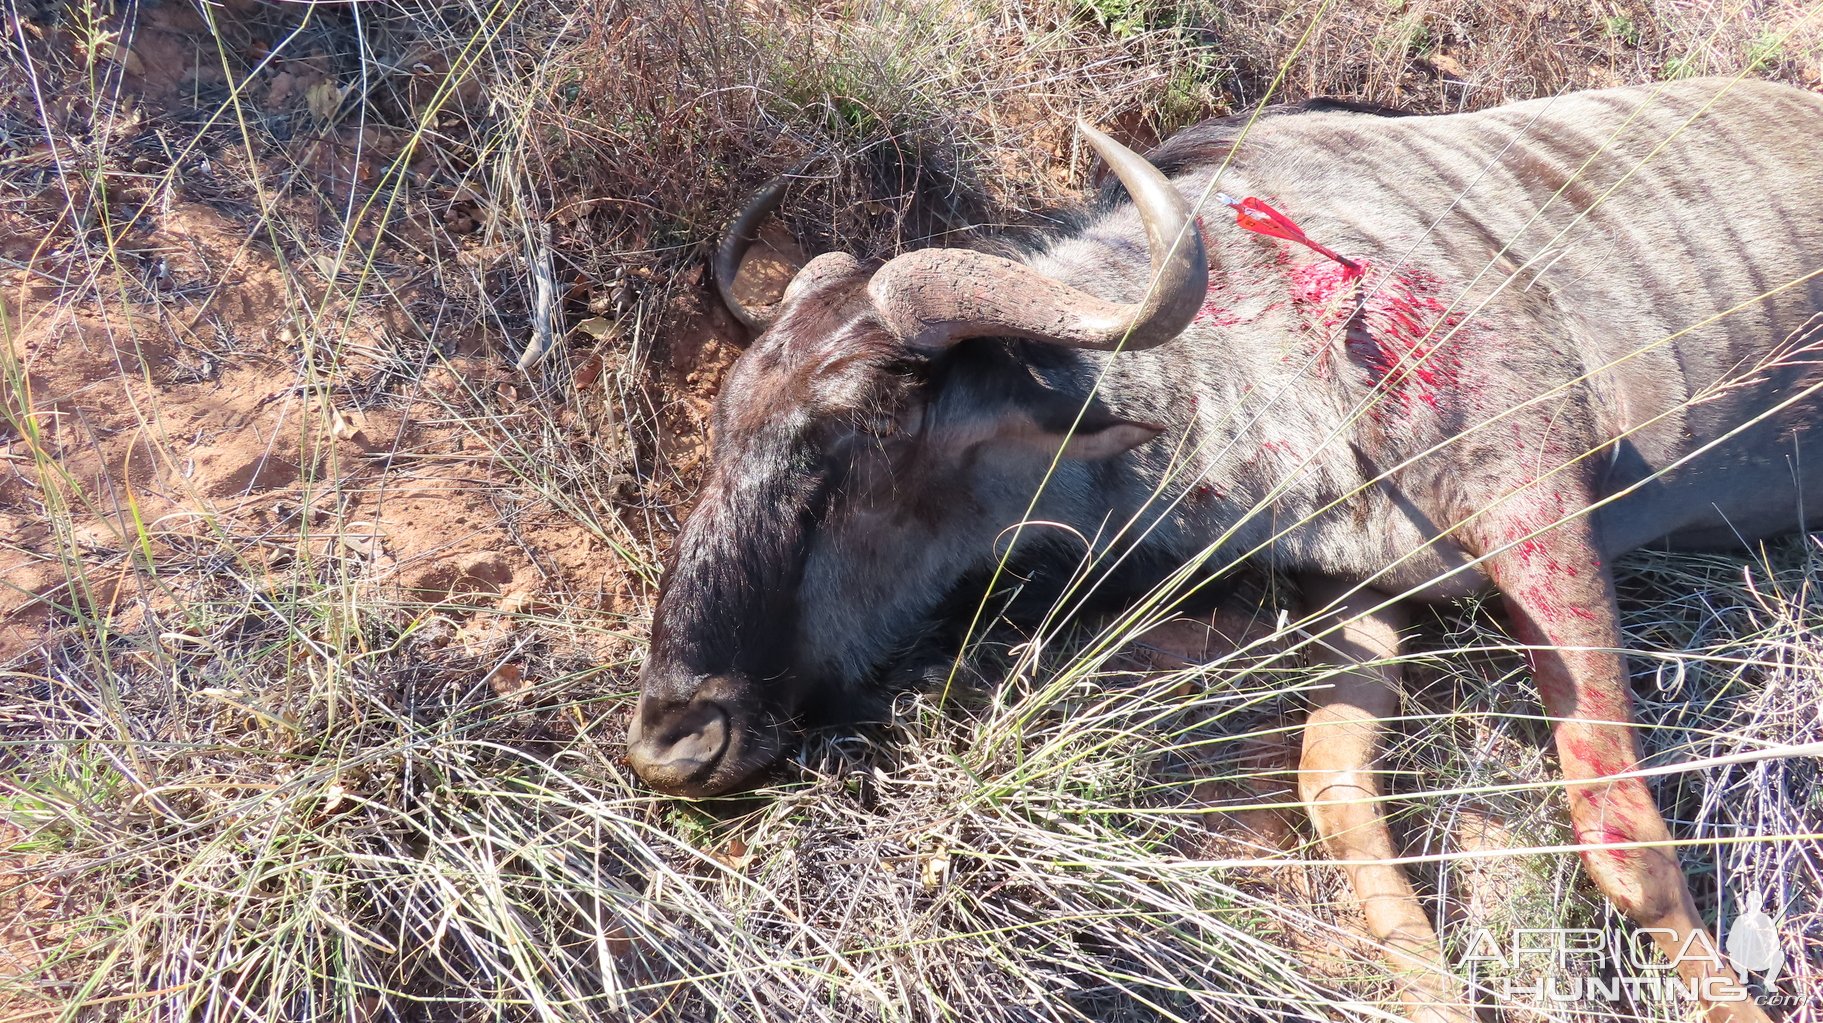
x=737, y=241
x=933, y=298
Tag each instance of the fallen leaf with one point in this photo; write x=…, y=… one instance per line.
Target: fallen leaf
x=324, y=98
x=588, y=372
x=596, y=327
x=508, y=680
x=933, y=866
x=363, y=544
x=348, y=426
x=109, y=47
x=735, y=856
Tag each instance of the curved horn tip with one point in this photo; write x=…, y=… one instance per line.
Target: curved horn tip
x=934, y=298
x=1093, y=132
x=1105, y=144
x=1180, y=263
x=725, y=263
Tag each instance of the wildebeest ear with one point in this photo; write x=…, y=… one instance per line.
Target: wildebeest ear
x=1098, y=436
x=1093, y=441
x=1038, y=417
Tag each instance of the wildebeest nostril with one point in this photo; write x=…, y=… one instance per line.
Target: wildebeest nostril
x=678, y=748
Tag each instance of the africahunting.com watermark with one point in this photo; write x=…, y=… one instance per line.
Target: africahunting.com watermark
x=1582, y=965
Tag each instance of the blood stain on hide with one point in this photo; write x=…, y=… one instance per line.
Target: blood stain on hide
x=1608, y=816
x=1534, y=559
x=1602, y=759
x=1396, y=327
x=1217, y=315
x=1603, y=842
x=1217, y=310
x=1321, y=282
x=1279, y=451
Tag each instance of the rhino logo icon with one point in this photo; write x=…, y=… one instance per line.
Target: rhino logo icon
x=1753, y=941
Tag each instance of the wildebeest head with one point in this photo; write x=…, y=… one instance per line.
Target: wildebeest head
x=863, y=465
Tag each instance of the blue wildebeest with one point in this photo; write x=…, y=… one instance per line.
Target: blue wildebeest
x=1551, y=333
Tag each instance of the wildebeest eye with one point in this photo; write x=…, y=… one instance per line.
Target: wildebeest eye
x=877, y=424
x=886, y=424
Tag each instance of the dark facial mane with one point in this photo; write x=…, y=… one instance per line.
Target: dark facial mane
x=779, y=427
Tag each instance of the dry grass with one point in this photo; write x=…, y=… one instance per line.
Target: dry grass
x=293, y=747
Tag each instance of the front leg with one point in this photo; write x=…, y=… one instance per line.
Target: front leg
x=1561, y=599
x=1337, y=785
